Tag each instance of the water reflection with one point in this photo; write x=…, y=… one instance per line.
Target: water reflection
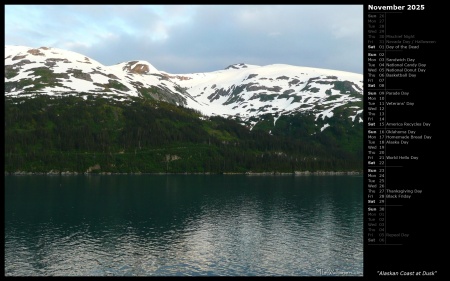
x=183, y=225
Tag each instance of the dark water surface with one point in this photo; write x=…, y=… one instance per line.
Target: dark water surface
x=170, y=225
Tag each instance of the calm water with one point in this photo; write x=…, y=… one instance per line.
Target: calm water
x=170, y=225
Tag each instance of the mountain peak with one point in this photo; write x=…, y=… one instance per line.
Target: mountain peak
x=139, y=67
x=41, y=54
x=237, y=66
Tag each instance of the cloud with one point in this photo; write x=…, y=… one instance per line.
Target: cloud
x=191, y=38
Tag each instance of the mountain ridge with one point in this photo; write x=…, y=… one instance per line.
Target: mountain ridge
x=65, y=113
x=241, y=91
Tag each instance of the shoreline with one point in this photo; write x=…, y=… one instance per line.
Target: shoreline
x=296, y=173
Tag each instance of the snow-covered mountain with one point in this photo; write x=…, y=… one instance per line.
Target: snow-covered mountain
x=241, y=91
x=249, y=91
x=55, y=72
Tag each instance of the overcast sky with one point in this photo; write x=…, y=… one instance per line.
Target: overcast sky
x=191, y=38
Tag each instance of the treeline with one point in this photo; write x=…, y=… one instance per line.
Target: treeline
x=86, y=133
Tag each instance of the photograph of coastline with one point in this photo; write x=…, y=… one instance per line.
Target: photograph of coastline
x=183, y=140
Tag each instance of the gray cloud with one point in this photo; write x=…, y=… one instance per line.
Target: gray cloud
x=182, y=39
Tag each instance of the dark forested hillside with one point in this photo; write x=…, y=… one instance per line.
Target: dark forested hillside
x=86, y=133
